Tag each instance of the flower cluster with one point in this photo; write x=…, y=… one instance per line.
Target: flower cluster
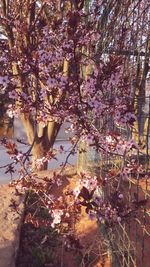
x=106, y=210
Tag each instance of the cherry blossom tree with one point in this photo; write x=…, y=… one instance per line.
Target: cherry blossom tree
x=47, y=60
x=73, y=61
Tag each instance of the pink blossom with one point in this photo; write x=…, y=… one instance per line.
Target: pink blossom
x=13, y=94
x=4, y=80
x=56, y=215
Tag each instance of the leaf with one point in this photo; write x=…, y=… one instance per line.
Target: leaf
x=88, y=208
x=85, y=193
x=61, y=147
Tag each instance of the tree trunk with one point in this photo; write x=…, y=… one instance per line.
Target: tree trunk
x=39, y=161
x=41, y=140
